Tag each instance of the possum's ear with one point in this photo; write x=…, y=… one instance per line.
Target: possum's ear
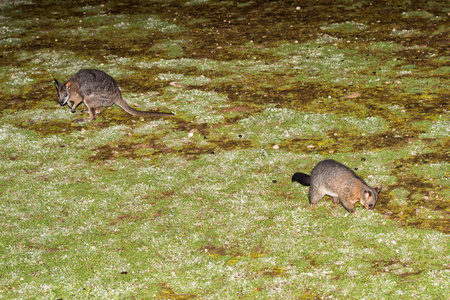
x=367, y=194
x=378, y=189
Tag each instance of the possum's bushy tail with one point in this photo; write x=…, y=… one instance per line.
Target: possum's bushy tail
x=302, y=178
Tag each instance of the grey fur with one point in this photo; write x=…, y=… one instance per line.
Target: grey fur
x=96, y=90
x=334, y=179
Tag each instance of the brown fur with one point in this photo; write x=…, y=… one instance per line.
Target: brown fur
x=96, y=90
x=331, y=178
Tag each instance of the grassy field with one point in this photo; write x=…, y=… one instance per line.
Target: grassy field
x=201, y=205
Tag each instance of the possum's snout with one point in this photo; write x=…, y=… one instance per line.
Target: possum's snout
x=370, y=207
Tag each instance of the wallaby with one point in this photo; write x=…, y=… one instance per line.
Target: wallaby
x=96, y=90
x=331, y=178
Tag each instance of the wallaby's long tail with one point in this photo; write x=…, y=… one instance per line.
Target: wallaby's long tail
x=302, y=178
x=124, y=105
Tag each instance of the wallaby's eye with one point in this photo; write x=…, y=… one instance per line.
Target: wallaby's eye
x=65, y=95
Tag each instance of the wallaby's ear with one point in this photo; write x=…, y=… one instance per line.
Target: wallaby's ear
x=68, y=84
x=56, y=83
x=378, y=189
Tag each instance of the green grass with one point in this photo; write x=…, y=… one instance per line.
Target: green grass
x=201, y=205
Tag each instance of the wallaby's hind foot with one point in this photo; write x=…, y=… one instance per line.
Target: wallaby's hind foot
x=81, y=120
x=97, y=111
x=92, y=115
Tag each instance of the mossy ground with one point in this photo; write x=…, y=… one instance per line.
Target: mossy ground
x=200, y=205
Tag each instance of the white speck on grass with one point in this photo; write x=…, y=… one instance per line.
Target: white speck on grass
x=105, y=136
x=245, y=67
x=348, y=26
x=155, y=22
x=40, y=115
x=10, y=41
x=434, y=240
x=122, y=25
x=200, y=64
x=405, y=32
x=439, y=128
x=114, y=60
x=55, y=62
x=5, y=30
x=181, y=78
x=328, y=39
x=9, y=3
x=415, y=14
x=18, y=78
x=276, y=124
x=404, y=72
x=200, y=104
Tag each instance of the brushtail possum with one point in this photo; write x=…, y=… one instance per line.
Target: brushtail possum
x=334, y=179
x=96, y=90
